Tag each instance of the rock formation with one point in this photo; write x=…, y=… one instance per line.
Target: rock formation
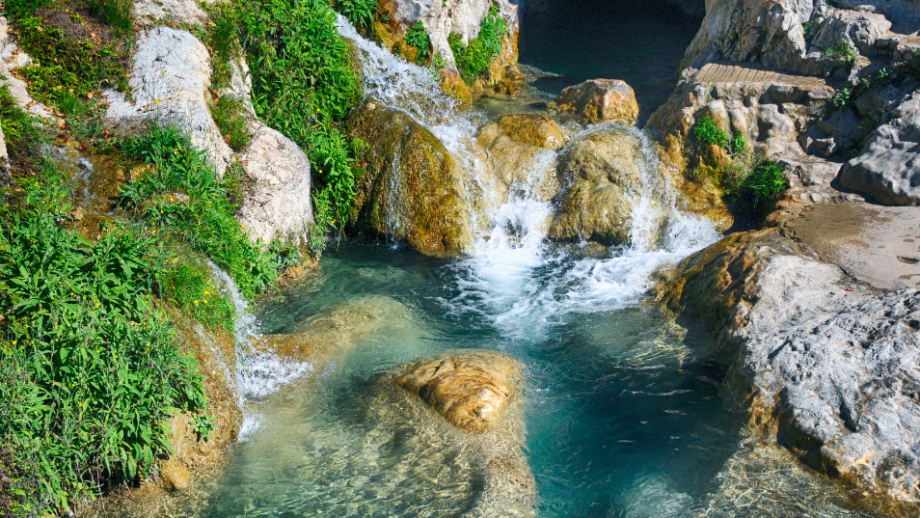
x=412, y=190
x=600, y=100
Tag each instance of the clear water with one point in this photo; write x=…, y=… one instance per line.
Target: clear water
x=622, y=413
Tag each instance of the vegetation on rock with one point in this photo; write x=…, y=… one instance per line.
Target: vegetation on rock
x=417, y=37
x=473, y=60
x=359, y=12
x=303, y=85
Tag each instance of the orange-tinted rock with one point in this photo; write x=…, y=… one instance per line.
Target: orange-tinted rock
x=600, y=100
x=470, y=391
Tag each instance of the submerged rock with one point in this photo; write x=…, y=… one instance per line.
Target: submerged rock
x=600, y=100
x=278, y=206
x=601, y=177
x=470, y=392
x=477, y=392
x=826, y=365
x=413, y=189
x=170, y=79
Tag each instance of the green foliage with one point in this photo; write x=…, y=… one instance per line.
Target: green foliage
x=417, y=37
x=359, y=12
x=303, y=84
x=842, y=52
x=808, y=29
x=189, y=285
x=223, y=41
x=19, y=8
x=474, y=59
x=203, y=221
x=739, y=143
x=843, y=99
x=708, y=132
x=117, y=13
x=64, y=67
x=760, y=187
x=89, y=368
x=232, y=120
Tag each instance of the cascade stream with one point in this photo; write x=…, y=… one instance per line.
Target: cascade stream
x=622, y=409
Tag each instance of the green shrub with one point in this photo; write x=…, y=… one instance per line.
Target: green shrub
x=189, y=285
x=117, y=13
x=759, y=189
x=19, y=8
x=359, y=12
x=417, y=37
x=303, y=85
x=204, y=220
x=474, y=59
x=843, y=99
x=808, y=30
x=842, y=52
x=231, y=116
x=64, y=67
x=89, y=368
x=739, y=143
x=707, y=132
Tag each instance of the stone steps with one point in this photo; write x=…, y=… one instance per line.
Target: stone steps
x=747, y=73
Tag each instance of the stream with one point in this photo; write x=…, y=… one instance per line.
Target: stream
x=623, y=410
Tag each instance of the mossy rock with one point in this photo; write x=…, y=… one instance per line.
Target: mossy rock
x=412, y=190
x=601, y=177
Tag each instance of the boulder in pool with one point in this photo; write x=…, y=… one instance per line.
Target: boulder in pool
x=469, y=391
x=600, y=100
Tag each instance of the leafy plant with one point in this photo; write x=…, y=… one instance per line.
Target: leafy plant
x=417, y=37
x=708, y=132
x=808, y=29
x=760, y=187
x=303, y=84
x=843, y=52
x=843, y=98
x=183, y=197
x=66, y=67
x=230, y=115
x=739, y=143
x=189, y=285
x=359, y=12
x=89, y=367
x=473, y=60
x=19, y=8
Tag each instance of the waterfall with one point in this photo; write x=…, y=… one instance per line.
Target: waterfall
x=512, y=273
x=258, y=373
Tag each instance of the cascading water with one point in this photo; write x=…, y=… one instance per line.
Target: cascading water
x=623, y=416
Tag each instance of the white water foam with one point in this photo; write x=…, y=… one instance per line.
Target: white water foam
x=258, y=373
x=512, y=275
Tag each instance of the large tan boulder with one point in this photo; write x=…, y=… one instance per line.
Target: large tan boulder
x=601, y=176
x=535, y=130
x=469, y=391
x=412, y=190
x=600, y=100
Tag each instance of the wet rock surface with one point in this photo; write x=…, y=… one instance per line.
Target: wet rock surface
x=825, y=363
x=601, y=178
x=470, y=392
x=412, y=190
x=600, y=100
x=478, y=394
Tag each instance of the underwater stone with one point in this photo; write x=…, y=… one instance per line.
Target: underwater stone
x=469, y=391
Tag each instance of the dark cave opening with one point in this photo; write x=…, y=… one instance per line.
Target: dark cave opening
x=641, y=43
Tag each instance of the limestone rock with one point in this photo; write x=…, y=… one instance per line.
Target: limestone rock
x=12, y=57
x=185, y=11
x=170, y=80
x=278, y=206
x=601, y=178
x=535, y=130
x=859, y=29
x=826, y=361
x=469, y=391
x=888, y=169
x=174, y=475
x=520, y=152
x=600, y=100
x=412, y=190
